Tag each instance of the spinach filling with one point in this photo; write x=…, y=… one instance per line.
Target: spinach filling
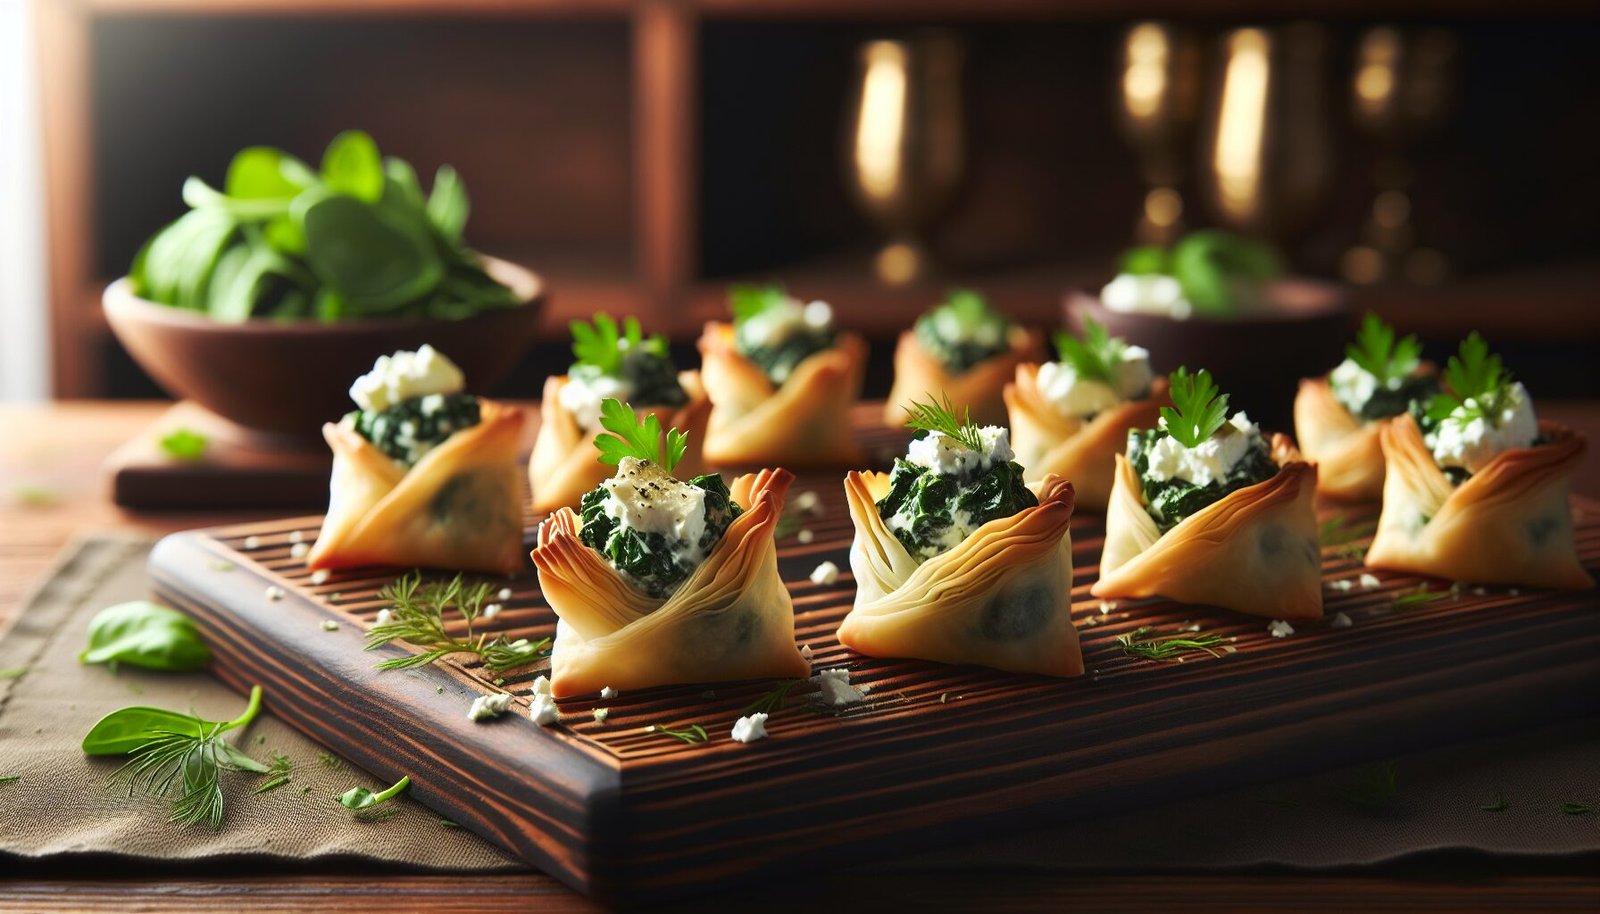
x=963, y=332
x=930, y=513
x=411, y=428
x=653, y=562
x=650, y=374
x=778, y=359
x=1171, y=500
x=1412, y=396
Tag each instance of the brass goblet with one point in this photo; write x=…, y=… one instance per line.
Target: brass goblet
x=1158, y=103
x=906, y=150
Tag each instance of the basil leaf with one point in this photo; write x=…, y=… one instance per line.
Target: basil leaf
x=373, y=261
x=257, y=173
x=145, y=635
x=175, y=265
x=352, y=166
x=125, y=730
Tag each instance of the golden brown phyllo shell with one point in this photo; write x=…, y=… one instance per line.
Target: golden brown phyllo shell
x=1254, y=551
x=1345, y=449
x=1048, y=442
x=803, y=423
x=1002, y=598
x=459, y=507
x=732, y=618
x=920, y=377
x=565, y=464
x=1509, y=523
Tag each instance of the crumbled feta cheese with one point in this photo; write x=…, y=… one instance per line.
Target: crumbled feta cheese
x=1280, y=629
x=329, y=625
x=806, y=653
x=299, y=550
x=948, y=457
x=1353, y=385
x=836, y=688
x=1153, y=293
x=749, y=729
x=504, y=594
x=600, y=715
x=404, y=375
x=804, y=536
x=808, y=503
x=826, y=573
x=581, y=396
x=1343, y=584
x=252, y=542
x=541, y=686
x=1073, y=395
x=543, y=710
x=488, y=707
x=1370, y=581
x=321, y=576
x=297, y=537
x=384, y=616
x=1211, y=461
x=648, y=499
x=1107, y=606
x=274, y=593
x=778, y=323
x=608, y=692
x=1339, y=620
x=1471, y=443
x=492, y=610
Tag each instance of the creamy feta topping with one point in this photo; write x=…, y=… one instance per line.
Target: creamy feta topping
x=836, y=688
x=488, y=707
x=949, y=457
x=1470, y=443
x=581, y=396
x=648, y=499
x=1074, y=395
x=778, y=323
x=1152, y=294
x=749, y=729
x=1353, y=385
x=1209, y=462
x=949, y=325
x=404, y=375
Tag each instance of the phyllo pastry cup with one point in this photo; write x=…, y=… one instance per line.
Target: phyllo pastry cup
x=731, y=619
x=564, y=465
x=1002, y=598
x=919, y=375
x=1345, y=449
x=1255, y=550
x=1509, y=523
x=459, y=507
x=1046, y=441
x=804, y=422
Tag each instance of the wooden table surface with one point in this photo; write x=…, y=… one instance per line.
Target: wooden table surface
x=50, y=464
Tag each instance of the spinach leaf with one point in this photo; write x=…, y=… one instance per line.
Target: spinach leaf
x=146, y=635
x=258, y=173
x=447, y=204
x=370, y=260
x=351, y=165
x=174, y=266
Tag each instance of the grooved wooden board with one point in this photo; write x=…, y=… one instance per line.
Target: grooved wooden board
x=935, y=754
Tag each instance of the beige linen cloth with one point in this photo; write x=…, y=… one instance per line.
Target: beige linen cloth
x=61, y=806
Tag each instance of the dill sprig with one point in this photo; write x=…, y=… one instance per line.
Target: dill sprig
x=1498, y=805
x=1146, y=643
x=416, y=616
x=1198, y=408
x=771, y=702
x=692, y=734
x=10, y=779
x=1576, y=809
x=940, y=416
x=1379, y=354
x=279, y=773
x=631, y=436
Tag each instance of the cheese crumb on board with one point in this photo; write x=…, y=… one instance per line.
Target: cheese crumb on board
x=1343, y=584
x=804, y=536
x=608, y=692
x=600, y=715
x=1370, y=581
x=504, y=594
x=749, y=729
x=1280, y=629
x=826, y=573
x=837, y=691
x=543, y=710
x=1339, y=620
x=252, y=542
x=488, y=707
x=321, y=576
x=274, y=593
x=541, y=686
x=328, y=625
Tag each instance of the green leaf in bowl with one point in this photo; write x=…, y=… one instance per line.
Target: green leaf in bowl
x=352, y=166
x=374, y=261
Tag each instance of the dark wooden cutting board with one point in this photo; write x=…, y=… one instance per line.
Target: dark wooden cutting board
x=935, y=755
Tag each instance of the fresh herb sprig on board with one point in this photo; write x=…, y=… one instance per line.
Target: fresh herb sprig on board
x=1146, y=643
x=416, y=616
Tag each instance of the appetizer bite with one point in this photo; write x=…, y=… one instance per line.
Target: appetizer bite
x=658, y=580
x=623, y=364
x=1477, y=489
x=1337, y=417
x=424, y=474
x=781, y=381
x=1071, y=417
x=956, y=560
x=1204, y=509
x=1209, y=273
x=963, y=350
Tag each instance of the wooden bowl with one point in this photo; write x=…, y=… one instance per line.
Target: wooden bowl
x=1258, y=359
x=283, y=379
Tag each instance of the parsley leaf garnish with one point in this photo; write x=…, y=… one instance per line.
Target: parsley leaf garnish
x=1095, y=355
x=1381, y=355
x=1477, y=383
x=940, y=416
x=603, y=344
x=749, y=301
x=1198, y=408
x=638, y=438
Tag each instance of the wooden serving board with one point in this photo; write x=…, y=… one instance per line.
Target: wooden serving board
x=935, y=755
